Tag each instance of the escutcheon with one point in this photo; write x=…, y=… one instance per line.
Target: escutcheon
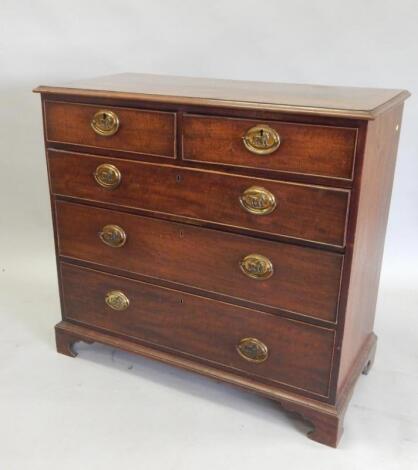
x=256, y=266
x=107, y=176
x=258, y=200
x=117, y=300
x=113, y=235
x=261, y=140
x=105, y=123
x=253, y=350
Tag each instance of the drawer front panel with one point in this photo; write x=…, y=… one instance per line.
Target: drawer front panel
x=296, y=354
x=301, y=211
x=148, y=132
x=303, y=280
x=302, y=148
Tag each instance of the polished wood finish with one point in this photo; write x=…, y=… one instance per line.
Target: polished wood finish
x=375, y=188
x=318, y=100
x=308, y=149
x=149, y=132
x=306, y=212
x=305, y=281
x=179, y=294
x=299, y=354
x=326, y=419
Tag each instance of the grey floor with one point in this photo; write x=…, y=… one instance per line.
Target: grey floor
x=107, y=409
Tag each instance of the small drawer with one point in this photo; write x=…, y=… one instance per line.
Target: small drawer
x=247, y=341
x=311, y=213
x=302, y=280
x=111, y=127
x=270, y=145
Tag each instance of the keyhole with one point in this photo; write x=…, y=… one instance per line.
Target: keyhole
x=178, y=178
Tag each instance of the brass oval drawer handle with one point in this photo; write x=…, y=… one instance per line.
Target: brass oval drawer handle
x=258, y=200
x=256, y=267
x=253, y=350
x=113, y=235
x=261, y=140
x=117, y=300
x=107, y=176
x=105, y=123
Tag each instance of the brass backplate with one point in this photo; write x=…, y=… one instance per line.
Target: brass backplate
x=113, y=235
x=117, y=300
x=258, y=200
x=253, y=350
x=261, y=140
x=107, y=176
x=105, y=122
x=256, y=266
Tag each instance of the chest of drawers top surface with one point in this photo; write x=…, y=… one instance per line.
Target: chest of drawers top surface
x=231, y=228
x=353, y=102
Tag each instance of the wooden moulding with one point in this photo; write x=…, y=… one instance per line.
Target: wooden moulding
x=316, y=100
x=326, y=419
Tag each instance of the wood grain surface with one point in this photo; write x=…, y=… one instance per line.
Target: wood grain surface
x=149, y=132
x=306, y=212
x=304, y=281
x=319, y=100
x=307, y=149
x=300, y=355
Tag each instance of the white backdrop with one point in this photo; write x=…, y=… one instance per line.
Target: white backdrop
x=355, y=43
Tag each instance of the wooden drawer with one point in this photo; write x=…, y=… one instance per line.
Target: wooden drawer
x=304, y=148
x=306, y=212
x=299, y=355
x=148, y=132
x=303, y=280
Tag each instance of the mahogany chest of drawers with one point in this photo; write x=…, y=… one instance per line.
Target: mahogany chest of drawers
x=234, y=229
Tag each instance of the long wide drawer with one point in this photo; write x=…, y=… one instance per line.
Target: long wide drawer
x=270, y=145
x=247, y=341
x=279, y=275
x=126, y=129
x=299, y=211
